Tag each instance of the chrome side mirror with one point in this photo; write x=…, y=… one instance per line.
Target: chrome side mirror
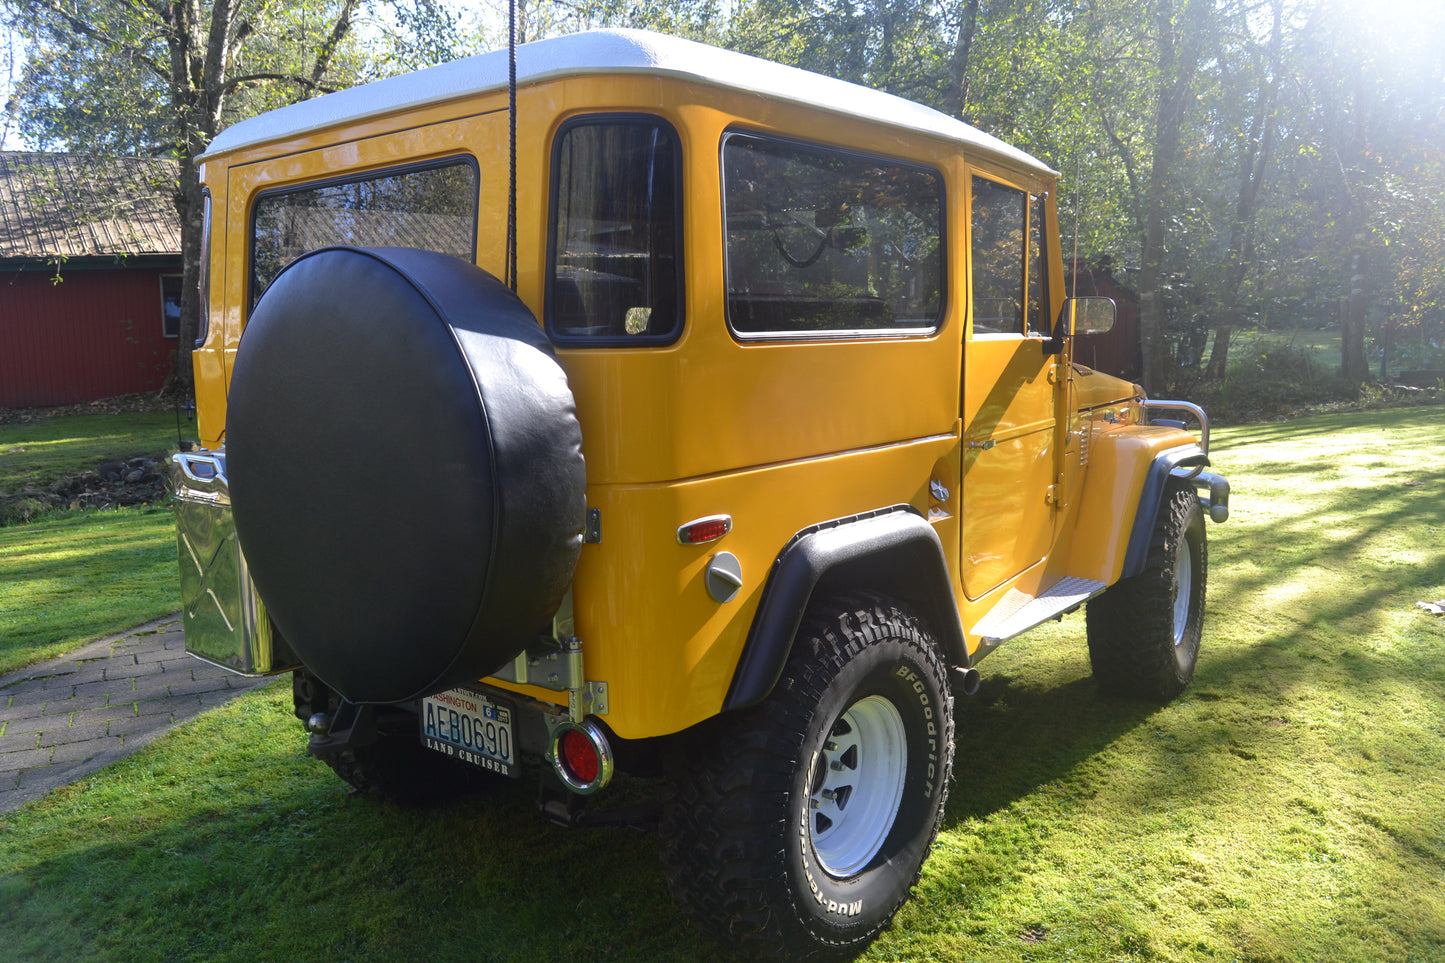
x=1091, y=315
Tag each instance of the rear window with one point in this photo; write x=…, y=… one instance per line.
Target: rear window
x=433, y=208
x=823, y=241
x=614, y=264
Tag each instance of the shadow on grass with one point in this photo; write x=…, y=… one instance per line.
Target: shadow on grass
x=1408, y=420
x=314, y=873
x=1312, y=647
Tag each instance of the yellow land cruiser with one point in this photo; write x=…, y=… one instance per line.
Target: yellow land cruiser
x=773, y=435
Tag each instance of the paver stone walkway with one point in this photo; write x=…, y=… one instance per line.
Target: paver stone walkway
x=66, y=718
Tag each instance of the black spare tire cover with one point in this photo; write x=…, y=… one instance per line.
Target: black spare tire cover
x=405, y=469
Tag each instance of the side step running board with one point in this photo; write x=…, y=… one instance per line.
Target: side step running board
x=1017, y=612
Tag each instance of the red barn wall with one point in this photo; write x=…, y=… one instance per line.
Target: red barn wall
x=95, y=334
x=1118, y=352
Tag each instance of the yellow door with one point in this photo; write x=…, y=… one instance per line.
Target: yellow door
x=1009, y=403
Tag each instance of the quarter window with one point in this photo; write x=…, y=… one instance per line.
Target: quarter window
x=614, y=265
x=1039, y=321
x=431, y=208
x=823, y=241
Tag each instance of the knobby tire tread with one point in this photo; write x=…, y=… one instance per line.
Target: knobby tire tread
x=722, y=831
x=1131, y=626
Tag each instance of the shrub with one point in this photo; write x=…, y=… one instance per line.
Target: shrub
x=1269, y=380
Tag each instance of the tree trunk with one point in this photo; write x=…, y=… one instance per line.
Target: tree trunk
x=956, y=97
x=1353, y=366
x=190, y=204
x=1255, y=160
x=1179, y=50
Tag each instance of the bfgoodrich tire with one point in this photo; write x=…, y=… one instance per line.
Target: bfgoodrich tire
x=806, y=819
x=1144, y=632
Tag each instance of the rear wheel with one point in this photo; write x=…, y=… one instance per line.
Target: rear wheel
x=806, y=820
x=1144, y=632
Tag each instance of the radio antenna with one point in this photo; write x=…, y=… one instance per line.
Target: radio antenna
x=511, y=267
x=1078, y=190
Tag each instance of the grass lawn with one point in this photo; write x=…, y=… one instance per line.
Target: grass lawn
x=37, y=452
x=73, y=577
x=1289, y=806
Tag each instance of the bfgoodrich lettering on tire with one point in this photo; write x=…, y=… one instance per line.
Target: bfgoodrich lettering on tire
x=1144, y=631
x=804, y=821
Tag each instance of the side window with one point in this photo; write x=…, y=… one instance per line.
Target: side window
x=998, y=258
x=1039, y=321
x=823, y=241
x=431, y=208
x=614, y=259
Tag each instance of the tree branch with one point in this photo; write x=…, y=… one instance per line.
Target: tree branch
x=251, y=79
x=328, y=49
x=87, y=29
x=1129, y=170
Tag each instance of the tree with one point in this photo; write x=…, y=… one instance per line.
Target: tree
x=162, y=77
x=1359, y=167
x=1253, y=140
x=1179, y=45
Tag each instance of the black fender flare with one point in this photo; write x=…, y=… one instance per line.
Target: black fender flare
x=893, y=551
x=1156, y=484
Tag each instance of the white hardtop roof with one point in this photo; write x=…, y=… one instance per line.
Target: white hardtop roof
x=611, y=52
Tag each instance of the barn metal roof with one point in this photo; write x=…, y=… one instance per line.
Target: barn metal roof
x=613, y=52
x=61, y=206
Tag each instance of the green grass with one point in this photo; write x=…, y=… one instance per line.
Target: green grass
x=74, y=576
x=38, y=452
x=71, y=578
x=1289, y=806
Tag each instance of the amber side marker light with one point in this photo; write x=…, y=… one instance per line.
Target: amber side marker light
x=701, y=530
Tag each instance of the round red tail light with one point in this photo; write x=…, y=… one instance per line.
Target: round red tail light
x=581, y=756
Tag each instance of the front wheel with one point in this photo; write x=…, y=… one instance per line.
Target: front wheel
x=807, y=819
x=1144, y=632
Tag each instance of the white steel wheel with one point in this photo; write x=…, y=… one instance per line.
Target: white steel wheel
x=857, y=785
x=801, y=825
x=1183, y=591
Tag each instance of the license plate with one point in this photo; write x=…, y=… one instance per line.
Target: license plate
x=471, y=728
